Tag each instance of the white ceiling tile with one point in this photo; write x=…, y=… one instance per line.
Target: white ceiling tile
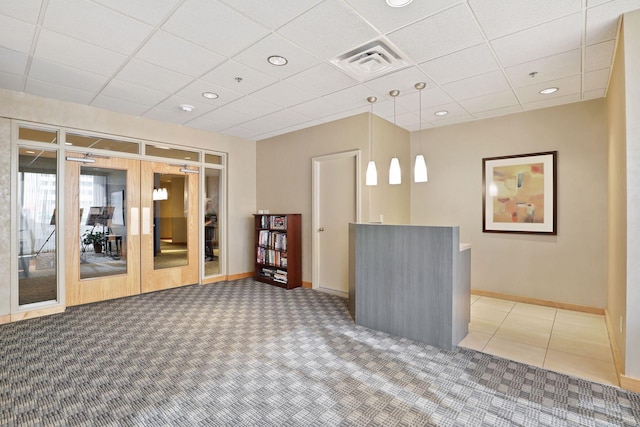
x=545, y=103
x=119, y=105
x=12, y=61
x=593, y=94
x=225, y=118
x=149, y=11
x=602, y=21
x=498, y=112
x=256, y=57
x=462, y=64
x=214, y=26
x=172, y=104
x=96, y=24
x=152, y=76
x=384, y=107
x=435, y=96
x=501, y=17
x=241, y=132
x=548, y=39
x=179, y=55
x=316, y=108
x=272, y=13
x=321, y=79
x=278, y=120
x=567, y=86
x=133, y=93
x=64, y=93
x=75, y=53
x=550, y=68
x=490, y=102
x=598, y=79
x=172, y=116
x=403, y=80
x=491, y=82
x=599, y=55
x=16, y=34
x=66, y=76
x=454, y=109
x=24, y=10
x=591, y=3
x=355, y=96
x=386, y=19
x=195, y=90
x=406, y=119
x=253, y=106
x=225, y=76
x=283, y=94
x=206, y=124
x=11, y=81
x=452, y=120
x=438, y=35
x=310, y=30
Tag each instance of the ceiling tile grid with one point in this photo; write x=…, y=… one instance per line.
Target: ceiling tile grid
x=479, y=58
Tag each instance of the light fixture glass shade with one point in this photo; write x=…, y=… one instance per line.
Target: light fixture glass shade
x=160, y=194
x=372, y=174
x=395, y=176
x=420, y=170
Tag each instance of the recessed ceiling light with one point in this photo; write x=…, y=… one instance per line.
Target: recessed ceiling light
x=398, y=3
x=441, y=113
x=277, y=60
x=186, y=108
x=30, y=152
x=210, y=95
x=549, y=90
x=68, y=143
x=187, y=158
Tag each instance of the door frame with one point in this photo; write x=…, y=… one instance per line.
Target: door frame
x=315, y=205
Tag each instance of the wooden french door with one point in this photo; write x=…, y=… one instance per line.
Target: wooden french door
x=102, y=242
x=169, y=233
x=120, y=241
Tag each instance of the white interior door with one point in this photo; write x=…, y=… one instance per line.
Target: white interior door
x=336, y=204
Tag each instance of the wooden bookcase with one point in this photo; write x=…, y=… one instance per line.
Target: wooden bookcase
x=278, y=250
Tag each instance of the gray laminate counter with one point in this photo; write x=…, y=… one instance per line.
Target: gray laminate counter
x=411, y=281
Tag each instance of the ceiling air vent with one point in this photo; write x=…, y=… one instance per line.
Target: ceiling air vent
x=373, y=59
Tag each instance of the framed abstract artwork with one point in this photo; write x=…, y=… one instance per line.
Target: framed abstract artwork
x=519, y=193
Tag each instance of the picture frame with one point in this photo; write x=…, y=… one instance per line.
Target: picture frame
x=519, y=193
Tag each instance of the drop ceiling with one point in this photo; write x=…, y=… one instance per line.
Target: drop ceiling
x=147, y=57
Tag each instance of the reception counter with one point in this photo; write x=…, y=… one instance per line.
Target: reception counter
x=411, y=281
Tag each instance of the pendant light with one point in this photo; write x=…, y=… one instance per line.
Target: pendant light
x=420, y=168
x=372, y=172
x=395, y=175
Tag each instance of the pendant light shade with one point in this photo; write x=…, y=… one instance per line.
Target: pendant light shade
x=420, y=167
x=420, y=170
x=372, y=172
x=395, y=174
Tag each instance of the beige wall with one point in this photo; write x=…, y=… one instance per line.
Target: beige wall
x=631, y=38
x=569, y=267
x=617, y=200
x=240, y=167
x=284, y=172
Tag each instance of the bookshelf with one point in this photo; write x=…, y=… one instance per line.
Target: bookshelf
x=278, y=250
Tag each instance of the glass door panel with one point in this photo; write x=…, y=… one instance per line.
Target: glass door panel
x=170, y=208
x=169, y=239
x=211, y=222
x=37, y=249
x=102, y=227
x=102, y=239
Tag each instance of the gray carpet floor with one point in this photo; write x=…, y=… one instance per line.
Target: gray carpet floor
x=245, y=353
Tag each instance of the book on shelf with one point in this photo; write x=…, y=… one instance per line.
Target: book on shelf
x=278, y=222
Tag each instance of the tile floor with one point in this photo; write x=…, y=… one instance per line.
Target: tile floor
x=570, y=342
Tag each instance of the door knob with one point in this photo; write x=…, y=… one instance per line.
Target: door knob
x=321, y=229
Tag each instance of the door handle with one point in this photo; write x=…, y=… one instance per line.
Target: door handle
x=321, y=229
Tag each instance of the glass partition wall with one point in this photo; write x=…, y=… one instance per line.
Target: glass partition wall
x=212, y=220
x=37, y=197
